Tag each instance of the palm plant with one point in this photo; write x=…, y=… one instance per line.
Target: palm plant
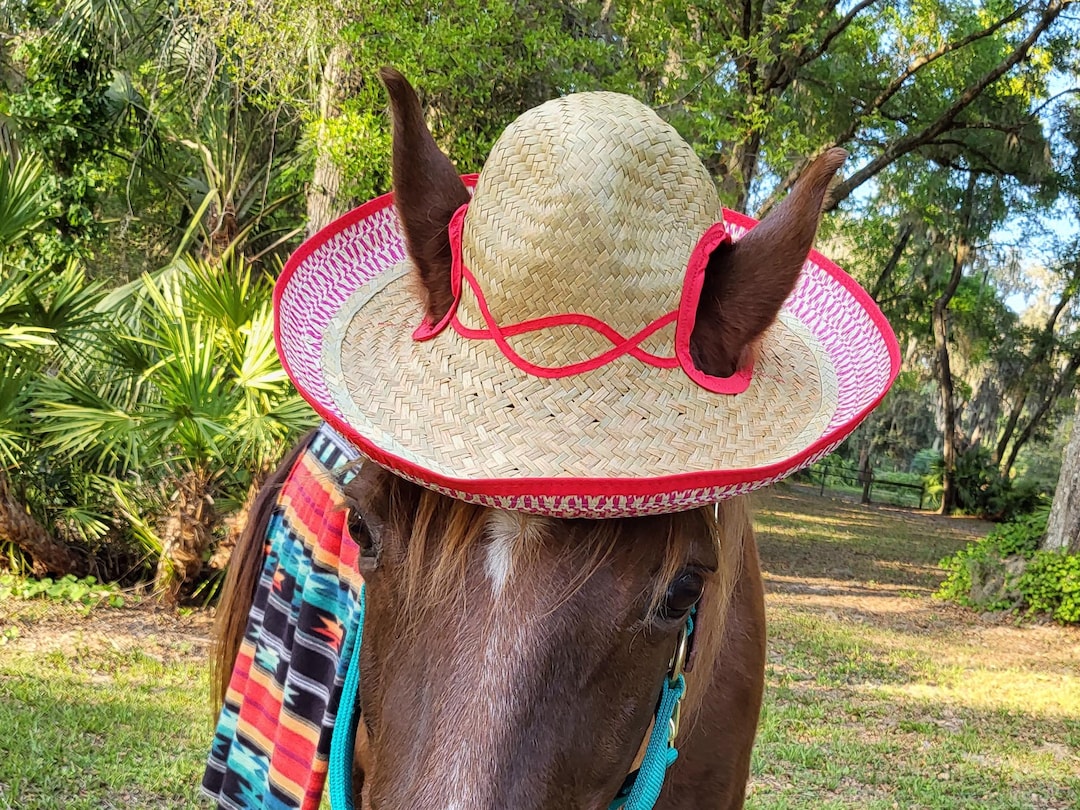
x=29, y=325
x=196, y=401
x=22, y=205
x=245, y=159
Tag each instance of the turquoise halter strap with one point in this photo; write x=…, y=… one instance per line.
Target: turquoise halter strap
x=642, y=788
x=639, y=792
x=343, y=738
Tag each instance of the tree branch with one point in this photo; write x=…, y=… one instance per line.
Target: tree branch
x=911, y=142
x=906, y=233
x=786, y=71
x=895, y=86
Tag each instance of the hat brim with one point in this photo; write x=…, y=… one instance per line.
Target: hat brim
x=575, y=447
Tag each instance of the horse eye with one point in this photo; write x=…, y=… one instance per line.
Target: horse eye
x=682, y=594
x=360, y=534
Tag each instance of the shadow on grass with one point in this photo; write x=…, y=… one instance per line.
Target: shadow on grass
x=878, y=696
x=804, y=536
x=820, y=748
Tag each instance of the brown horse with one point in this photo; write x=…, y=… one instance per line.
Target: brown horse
x=512, y=660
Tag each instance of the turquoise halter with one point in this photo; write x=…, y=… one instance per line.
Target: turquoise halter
x=639, y=792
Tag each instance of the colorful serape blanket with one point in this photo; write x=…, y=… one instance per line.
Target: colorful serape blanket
x=272, y=741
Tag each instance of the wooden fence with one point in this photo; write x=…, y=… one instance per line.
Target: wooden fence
x=869, y=484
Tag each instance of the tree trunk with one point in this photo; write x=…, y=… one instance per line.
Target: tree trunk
x=1044, y=345
x=1063, y=530
x=948, y=406
x=961, y=251
x=324, y=203
x=47, y=555
x=234, y=526
x=866, y=471
x=1010, y=427
x=186, y=535
x=984, y=411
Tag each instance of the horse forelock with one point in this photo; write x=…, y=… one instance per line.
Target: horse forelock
x=444, y=534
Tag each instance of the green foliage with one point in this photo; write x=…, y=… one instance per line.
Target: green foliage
x=1051, y=584
x=178, y=374
x=86, y=591
x=1031, y=580
x=900, y=425
x=62, y=109
x=923, y=461
x=193, y=383
x=982, y=490
x=909, y=479
x=22, y=207
x=1020, y=536
x=836, y=470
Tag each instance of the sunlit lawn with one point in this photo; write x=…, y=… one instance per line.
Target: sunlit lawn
x=877, y=697
x=107, y=711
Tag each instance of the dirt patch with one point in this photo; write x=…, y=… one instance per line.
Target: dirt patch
x=43, y=627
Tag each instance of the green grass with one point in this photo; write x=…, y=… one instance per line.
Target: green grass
x=877, y=695
x=92, y=722
x=856, y=718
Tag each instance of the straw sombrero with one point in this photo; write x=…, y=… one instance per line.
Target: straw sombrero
x=561, y=383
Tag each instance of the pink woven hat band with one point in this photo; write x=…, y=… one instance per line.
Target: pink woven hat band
x=607, y=343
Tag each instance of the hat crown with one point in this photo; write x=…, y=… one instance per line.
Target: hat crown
x=588, y=204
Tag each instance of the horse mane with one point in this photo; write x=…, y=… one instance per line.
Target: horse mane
x=242, y=577
x=731, y=526
x=443, y=533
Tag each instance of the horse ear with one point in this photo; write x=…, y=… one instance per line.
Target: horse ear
x=427, y=192
x=747, y=282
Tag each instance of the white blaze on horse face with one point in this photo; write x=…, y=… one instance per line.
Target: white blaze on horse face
x=512, y=640
x=499, y=559
x=507, y=533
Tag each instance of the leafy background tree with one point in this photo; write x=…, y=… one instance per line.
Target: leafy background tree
x=158, y=161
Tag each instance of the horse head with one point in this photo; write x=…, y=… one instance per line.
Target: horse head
x=512, y=660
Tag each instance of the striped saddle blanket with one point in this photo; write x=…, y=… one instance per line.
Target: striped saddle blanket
x=272, y=741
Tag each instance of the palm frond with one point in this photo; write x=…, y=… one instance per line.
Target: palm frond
x=24, y=337
x=65, y=304
x=227, y=292
x=22, y=202
x=260, y=368
x=16, y=439
x=134, y=513
x=104, y=438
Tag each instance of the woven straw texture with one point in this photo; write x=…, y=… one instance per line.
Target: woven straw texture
x=592, y=205
x=492, y=420
x=576, y=211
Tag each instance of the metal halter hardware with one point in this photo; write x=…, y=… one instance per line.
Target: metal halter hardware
x=641, y=788
x=675, y=672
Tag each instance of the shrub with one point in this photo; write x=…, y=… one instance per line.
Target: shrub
x=1020, y=536
x=1006, y=571
x=981, y=576
x=981, y=490
x=1051, y=584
